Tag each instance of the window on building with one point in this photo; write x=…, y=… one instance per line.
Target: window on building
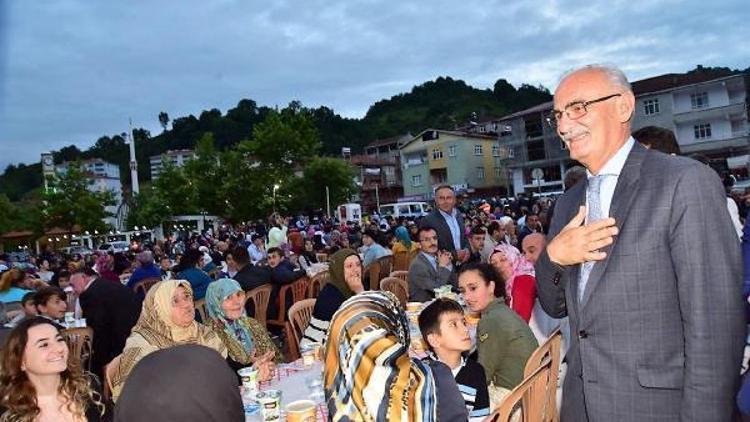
x=480, y=173
x=511, y=152
x=535, y=150
x=699, y=100
x=478, y=149
x=702, y=131
x=497, y=171
x=496, y=150
x=481, y=129
x=651, y=107
x=451, y=150
x=416, y=180
x=534, y=127
x=437, y=154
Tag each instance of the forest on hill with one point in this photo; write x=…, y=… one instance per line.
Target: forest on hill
x=444, y=103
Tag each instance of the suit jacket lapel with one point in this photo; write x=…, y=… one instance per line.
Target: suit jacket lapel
x=625, y=190
x=443, y=227
x=426, y=263
x=578, y=195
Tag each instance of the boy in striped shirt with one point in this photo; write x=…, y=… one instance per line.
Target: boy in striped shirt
x=447, y=339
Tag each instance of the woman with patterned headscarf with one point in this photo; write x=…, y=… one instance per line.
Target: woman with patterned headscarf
x=246, y=340
x=368, y=374
x=345, y=280
x=518, y=274
x=167, y=319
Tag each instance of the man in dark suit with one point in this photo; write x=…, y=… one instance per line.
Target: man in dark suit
x=248, y=275
x=448, y=223
x=653, y=291
x=110, y=309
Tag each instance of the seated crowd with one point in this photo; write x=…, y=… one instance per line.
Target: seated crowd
x=137, y=326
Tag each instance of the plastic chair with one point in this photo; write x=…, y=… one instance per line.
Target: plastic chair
x=200, y=306
x=260, y=297
x=145, y=285
x=529, y=400
x=401, y=261
x=373, y=273
x=80, y=343
x=403, y=275
x=317, y=282
x=386, y=266
x=299, y=318
x=550, y=349
x=298, y=290
x=398, y=287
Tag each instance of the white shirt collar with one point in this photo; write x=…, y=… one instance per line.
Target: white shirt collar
x=617, y=162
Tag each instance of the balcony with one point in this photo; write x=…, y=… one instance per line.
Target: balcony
x=709, y=113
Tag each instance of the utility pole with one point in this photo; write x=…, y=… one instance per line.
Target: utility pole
x=328, y=202
x=133, y=162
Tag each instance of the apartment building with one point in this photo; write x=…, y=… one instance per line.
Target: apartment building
x=379, y=172
x=707, y=112
x=470, y=162
x=178, y=158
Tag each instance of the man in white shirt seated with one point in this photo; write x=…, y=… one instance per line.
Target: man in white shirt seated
x=257, y=250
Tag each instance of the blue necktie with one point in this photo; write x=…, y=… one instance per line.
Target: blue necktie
x=594, y=213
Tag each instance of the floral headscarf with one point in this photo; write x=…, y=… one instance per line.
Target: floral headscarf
x=519, y=264
x=215, y=295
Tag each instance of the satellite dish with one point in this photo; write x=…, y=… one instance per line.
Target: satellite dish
x=537, y=174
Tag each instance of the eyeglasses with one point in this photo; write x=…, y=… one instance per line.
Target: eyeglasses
x=575, y=111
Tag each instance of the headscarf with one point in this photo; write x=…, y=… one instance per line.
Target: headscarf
x=216, y=293
x=160, y=388
x=368, y=374
x=402, y=234
x=519, y=263
x=155, y=330
x=336, y=270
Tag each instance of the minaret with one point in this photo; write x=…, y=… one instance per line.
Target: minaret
x=133, y=163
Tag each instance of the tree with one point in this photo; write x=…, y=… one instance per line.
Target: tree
x=7, y=214
x=205, y=172
x=283, y=141
x=174, y=191
x=147, y=209
x=322, y=172
x=163, y=120
x=71, y=202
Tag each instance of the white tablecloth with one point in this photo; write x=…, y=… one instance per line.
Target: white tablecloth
x=293, y=387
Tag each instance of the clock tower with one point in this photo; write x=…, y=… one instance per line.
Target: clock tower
x=48, y=168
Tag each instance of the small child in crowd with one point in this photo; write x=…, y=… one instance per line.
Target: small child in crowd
x=446, y=336
x=50, y=303
x=29, y=309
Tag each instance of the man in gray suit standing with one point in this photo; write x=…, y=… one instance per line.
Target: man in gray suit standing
x=643, y=259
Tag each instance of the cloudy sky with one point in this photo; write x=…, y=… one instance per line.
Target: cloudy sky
x=74, y=70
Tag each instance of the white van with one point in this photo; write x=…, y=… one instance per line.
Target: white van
x=410, y=210
x=349, y=212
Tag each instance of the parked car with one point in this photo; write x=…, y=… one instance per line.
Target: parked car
x=72, y=250
x=115, y=247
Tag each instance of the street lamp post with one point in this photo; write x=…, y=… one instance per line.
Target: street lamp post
x=275, y=188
